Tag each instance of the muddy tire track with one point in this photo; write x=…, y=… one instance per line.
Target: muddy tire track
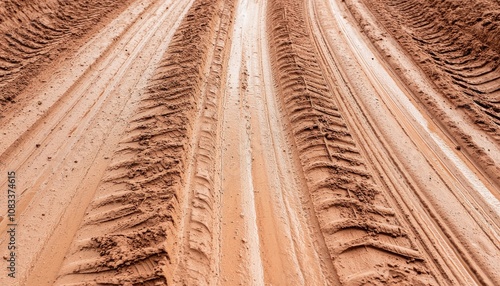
x=464, y=135
x=198, y=233
x=346, y=70
x=34, y=35
x=137, y=207
x=456, y=48
x=76, y=130
x=234, y=142
x=352, y=211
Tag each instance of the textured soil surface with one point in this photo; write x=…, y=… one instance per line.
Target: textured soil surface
x=245, y=142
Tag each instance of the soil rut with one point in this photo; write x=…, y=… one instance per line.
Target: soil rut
x=353, y=214
x=264, y=238
x=379, y=96
x=251, y=142
x=67, y=148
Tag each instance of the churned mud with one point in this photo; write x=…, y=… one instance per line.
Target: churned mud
x=245, y=142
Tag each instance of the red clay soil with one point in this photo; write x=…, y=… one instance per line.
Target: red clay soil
x=36, y=33
x=250, y=142
x=366, y=241
x=455, y=43
x=129, y=232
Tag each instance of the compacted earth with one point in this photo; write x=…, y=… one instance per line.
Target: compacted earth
x=250, y=142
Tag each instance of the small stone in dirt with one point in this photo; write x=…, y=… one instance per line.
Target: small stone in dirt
x=39, y=103
x=49, y=158
x=37, y=145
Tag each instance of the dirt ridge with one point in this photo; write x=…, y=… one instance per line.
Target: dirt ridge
x=198, y=255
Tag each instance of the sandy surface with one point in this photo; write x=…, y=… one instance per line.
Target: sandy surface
x=244, y=142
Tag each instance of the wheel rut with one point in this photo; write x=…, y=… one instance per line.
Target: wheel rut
x=75, y=137
x=354, y=215
x=251, y=142
x=465, y=265
x=264, y=238
x=457, y=51
x=36, y=33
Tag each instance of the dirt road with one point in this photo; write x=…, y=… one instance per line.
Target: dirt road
x=244, y=142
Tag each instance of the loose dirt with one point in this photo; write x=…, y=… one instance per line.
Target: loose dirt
x=244, y=142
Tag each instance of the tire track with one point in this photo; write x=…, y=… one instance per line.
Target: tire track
x=459, y=50
x=208, y=184
x=467, y=137
x=45, y=30
x=199, y=223
x=450, y=234
x=368, y=81
x=352, y=211
x=264, y=236
x=139, y=202
x=78, y=133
